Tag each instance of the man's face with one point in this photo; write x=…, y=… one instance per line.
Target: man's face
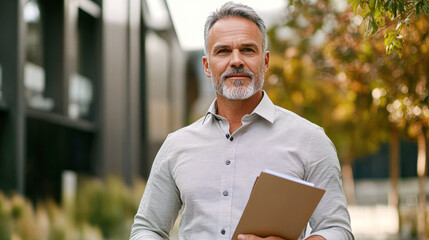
x=236, y=61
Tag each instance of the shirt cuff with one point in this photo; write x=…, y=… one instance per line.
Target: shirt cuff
x=334, y=234
x=145, y=236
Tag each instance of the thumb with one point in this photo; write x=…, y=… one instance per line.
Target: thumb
x=246, y=237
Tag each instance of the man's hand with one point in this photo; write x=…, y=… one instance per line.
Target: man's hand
x=253, y=237
x=315, y=237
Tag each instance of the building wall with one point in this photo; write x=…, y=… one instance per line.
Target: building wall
x=79, y=91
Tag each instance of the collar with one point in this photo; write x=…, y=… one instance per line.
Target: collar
x=265, y=109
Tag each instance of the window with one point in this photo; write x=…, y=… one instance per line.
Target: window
x=84, y=75
x=34, y=66
x=2, y=21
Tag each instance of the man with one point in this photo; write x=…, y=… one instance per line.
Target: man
x=209, y=167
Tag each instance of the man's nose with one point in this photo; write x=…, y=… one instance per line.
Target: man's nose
x=236, y=59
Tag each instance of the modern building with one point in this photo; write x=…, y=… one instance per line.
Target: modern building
x=91, y=86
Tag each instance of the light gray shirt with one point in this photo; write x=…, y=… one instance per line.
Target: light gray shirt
x=210, y=174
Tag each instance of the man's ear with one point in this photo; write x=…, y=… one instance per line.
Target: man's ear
x=206, y=66
x=267, y=61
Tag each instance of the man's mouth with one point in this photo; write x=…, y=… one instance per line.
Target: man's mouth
x=238, y=75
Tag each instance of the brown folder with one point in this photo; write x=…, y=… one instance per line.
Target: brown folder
x=278, y=207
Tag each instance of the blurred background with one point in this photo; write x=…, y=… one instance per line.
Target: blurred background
x=89, y=89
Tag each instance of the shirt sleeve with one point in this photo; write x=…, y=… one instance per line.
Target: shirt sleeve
x=160, y=203
x=331, y=219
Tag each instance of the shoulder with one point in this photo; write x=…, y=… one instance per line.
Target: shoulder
x=300, y=129
x=291, y=119
x=177, y=141
x=316, y=145
x=184, y=131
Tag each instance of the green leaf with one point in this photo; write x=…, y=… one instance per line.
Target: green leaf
x=372, y=4
x=418, y=6
x=393, y=41
x=371, y=26
x=388, y=5
x=425, y=7
x=355, y=4
x=394, y=10
x=399, y=26
x=407, y=21
x=401, y=6
x=374, y=26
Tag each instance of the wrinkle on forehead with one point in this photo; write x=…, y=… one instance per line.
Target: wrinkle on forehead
x=228, y=29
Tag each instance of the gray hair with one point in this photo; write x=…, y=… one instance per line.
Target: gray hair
x=239, y=10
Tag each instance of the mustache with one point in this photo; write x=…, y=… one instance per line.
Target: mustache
x=226, y=74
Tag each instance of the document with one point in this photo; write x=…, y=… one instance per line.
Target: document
x=279, y=205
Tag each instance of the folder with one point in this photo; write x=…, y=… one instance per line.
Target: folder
x=279, y=205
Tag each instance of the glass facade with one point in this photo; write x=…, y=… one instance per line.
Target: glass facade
x=1, y=81
x=1, y=51
x=83, y=76
x=73, y=91
x=34, y=66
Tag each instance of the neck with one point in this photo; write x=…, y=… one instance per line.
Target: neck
x=234, y=110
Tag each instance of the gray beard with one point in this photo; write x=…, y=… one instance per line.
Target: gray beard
x=239, y=91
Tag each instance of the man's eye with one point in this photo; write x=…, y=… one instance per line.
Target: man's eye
x=222, y=51
x=247, y=50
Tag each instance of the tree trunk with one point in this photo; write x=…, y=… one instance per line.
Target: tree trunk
x=348, y=182
x=421, y=172
x=394, y=169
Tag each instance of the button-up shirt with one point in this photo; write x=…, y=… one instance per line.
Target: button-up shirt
x=210, y=174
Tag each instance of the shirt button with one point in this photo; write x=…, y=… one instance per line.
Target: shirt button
x=227, y=162
x=225, y=193
x=227, y=136
x=223, y=231
x=231, y=138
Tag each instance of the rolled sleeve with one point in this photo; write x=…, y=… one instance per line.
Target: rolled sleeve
x=333, y=234
x=331, y=219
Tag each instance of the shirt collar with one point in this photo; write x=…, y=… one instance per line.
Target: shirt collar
x=212, y=112
x=265, y=109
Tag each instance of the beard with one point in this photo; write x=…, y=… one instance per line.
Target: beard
x=239, y=91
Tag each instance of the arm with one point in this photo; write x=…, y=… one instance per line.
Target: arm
x=331, y=218
x=160, y=203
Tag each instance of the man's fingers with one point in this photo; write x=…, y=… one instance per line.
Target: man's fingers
x=253, y=237
x=246, y=237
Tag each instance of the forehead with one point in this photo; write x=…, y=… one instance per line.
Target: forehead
x=232, y=30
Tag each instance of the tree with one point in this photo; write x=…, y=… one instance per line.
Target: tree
x=389, y=17
x=398, y=83
x=306, y=78
x=408, y=107
x=347, y=84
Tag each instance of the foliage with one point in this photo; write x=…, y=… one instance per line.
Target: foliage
x=111, y=207
x=325, y=82
x=99, y=206
x=345, y=83
x=398, y=84
x=390, y=17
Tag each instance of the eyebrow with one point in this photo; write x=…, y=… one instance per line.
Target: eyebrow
x=254, y=45
x=220, y=47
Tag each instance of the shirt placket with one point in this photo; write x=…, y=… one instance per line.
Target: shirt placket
x=227, y=179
